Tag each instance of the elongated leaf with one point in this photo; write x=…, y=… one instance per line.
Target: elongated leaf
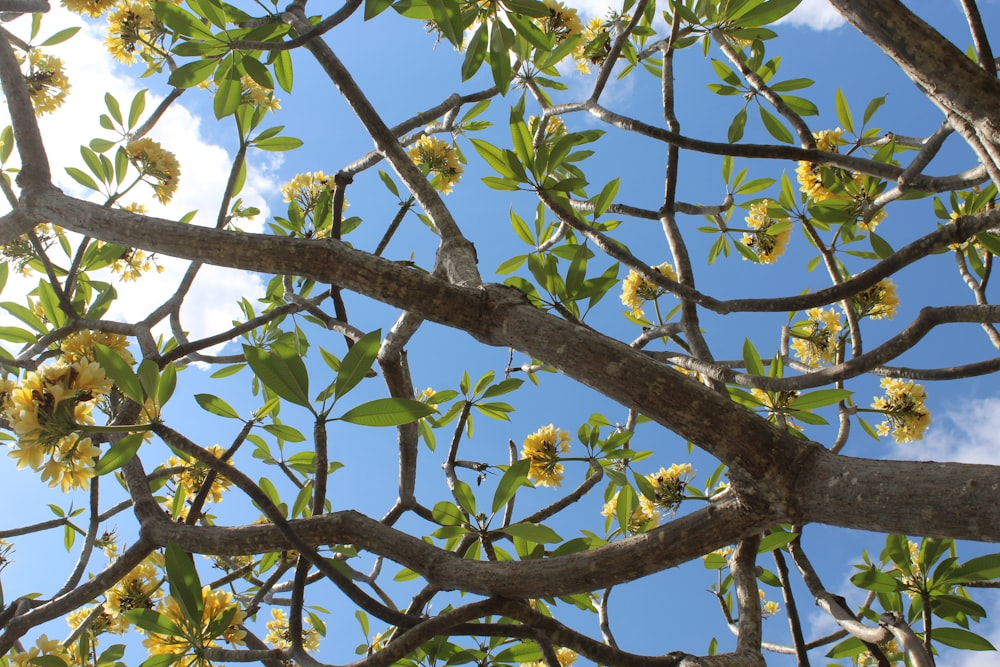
x=216, y=406
x=513, y=478
x=229, y=94
x=357, y=362
x=119, y=454
x=60, y=36
x=844, y=111
x=751, y=359
x=475, y=53
x=819, y=398
x=873, y=580
x=119, y=372
x=283, y=70
x=191, y=74
x=533, y=532
x=466, y=499
x=168, y=382
x=775, y=127
x=185, y=586
x=766, y=13
x=281, y=371
x=180, y=20
x=387, y=412
x=153, y=621
x=775, y=540
x=278, y=144
x=963, y=639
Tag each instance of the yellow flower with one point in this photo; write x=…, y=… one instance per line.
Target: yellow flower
x=257, y=95
x=279, y=636
x=543, y=448
x=767, y=607
x=810, y=174
x=554, y=126
x=156, y=164
x=441, y=161
x=636, y=290
x=306, y=189
x=80, y=345
x=776, y=404
x=140, y=588
x=132, y=30
x=195, y=473
x=594, y=45
x=906, y=417
x=132, y=263
x=643, y=517
x=194, y=639
x=45, y=411
x=668, y=486
x=43, y=647
x=768, y=240
x=46, y=81
x=878, y=301
x=815, y=340
x=565, y=656
x=562, y=21
x=92, y=8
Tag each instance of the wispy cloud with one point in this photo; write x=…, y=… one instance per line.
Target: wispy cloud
x=205, y=166
x=815, y=14
x=967, y=432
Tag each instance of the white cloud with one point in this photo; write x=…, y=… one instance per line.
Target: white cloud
x=205, y=167
x=816, y=14
x=968, y=432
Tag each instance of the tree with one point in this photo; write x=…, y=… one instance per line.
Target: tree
x=88, y=399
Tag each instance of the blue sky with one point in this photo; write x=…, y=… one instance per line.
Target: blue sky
x=403, y=72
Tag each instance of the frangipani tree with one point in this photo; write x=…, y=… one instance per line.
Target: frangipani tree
x=88, y=399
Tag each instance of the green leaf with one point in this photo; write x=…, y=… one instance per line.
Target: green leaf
x=466, y=499
x=873, y=580
x=735, y=132
x=387, y=412
x=119, y=454
x=278, y=144
x=880, y=245
x=475, y=53
x=751, y=359
x=181, y=21
x=533, y=532
x=962, y=639
x=775, y=540
x=606, y=197
x=775, y=127
x=285, y=432
x=283, y=70
x=357, y=362
x=153, y=621
x=819, y=398
x=136, y=108
x=191, y=74
x=872, y=107
x=60, y=36
x=216, y=406
x=281, y=371
x=979, y=568
x=82, y=178
x=229, y=93
x=119, y=372
x=168, y=382
x=844, y=111
x=766, y=13
x=185, y=586
x=372, y=9
x=513, y=478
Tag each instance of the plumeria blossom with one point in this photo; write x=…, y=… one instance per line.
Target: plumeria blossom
x=188, y=644
x=80, y=345
x=46, y=410
x=815, y=340
x=767, y=607
x=902, y=405
x=636, y=290
x=132, y=31
x=259, y=96
x=441, y=161
x=306, y=188
x=195, y=473
x=810, y=174
x=46, y=81
x=157, y=166
x=92, y=8
x=595, y=43
x=561, y=21
x=43, y=647
x=668, y=486
x=767, y=238
x=543, y=448
x=643, y=517
x=878, y=301
x=279, y=636
x=565, y=656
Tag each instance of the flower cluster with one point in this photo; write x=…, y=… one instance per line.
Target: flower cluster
x=258, y=96
x=43, y=647
x=561, y=21
x=767, y=238
x=543, y=448
x=92, y=8
x=891, y=651
x=594, y=45
x=636, y=290
x=46, y=81
x=306, y=189
x=669, y=484
x=878, y=301
x=643, y=517
x=777, y=404
x=190, y=480
x=156, y=164
x=279, y=636
x=140, y=588
x=810, y=174
x=906, y=417
x=441, y=161
x=79, y=345
x=190, y=642
x=767, y=607
x=46, y=411
x=133, y=263
x=565, y=656
x=815, y=340
x=132, y=31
